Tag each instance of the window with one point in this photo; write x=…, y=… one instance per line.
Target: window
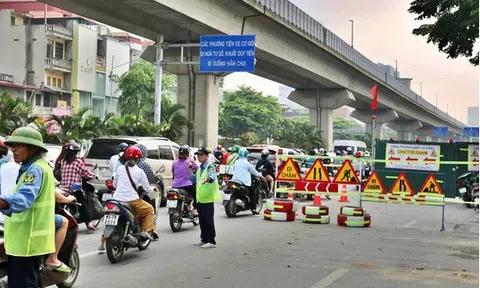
x=166, y=152
x=152, y=154
x=47, y=100
x=58, y=50
x=49, y=49
x=38, y=100
x=12, y=20
x=49, y=81
x=175, y=151
x=54, y=81
x=59, y=83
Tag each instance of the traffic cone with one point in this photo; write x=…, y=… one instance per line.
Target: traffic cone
x=343, y=195
x=317, y=200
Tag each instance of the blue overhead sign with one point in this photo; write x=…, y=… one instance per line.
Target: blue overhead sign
x=470, y=131
x=439, y=132
x=227, y=53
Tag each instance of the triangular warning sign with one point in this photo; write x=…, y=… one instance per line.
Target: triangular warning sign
x=433, y=154
x=402, y=185
x=289, y=171
x=374, y=184
x=391, y=151
x=431, y=185
x=475, y=153
x=317, y=173
x=346, y=175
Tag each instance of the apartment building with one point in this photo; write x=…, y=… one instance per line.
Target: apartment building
x=59, y=61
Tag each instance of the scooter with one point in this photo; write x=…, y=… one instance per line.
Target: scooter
x=465, y=183
x=88, y=191
x=68, y=254
x=180, y=209
x=236, y=196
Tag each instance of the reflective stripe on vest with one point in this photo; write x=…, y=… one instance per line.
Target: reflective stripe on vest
x=208, y=192
x=32, y=232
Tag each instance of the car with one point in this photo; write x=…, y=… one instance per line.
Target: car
x=161, y=154
x=53, y=153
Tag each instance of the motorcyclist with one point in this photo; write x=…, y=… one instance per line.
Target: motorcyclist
x=218, y=153
x=72, y=170
x=267, y=169
x=243, y=174
x=226, y=155
x=114, y=159
x=127, y=192
x=234, y=156
x=181, y=169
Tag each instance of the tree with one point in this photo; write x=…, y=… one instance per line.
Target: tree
x=455, y=30
x=138, y=90
x=14, y=113
x=296, y=133
x=173, y=121
x=341, y=128
x=247, y=110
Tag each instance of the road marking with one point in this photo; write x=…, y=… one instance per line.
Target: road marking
x=409, y=224
x=330, y=278
x=85, y=255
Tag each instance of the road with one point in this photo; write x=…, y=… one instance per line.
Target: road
x=404, y=247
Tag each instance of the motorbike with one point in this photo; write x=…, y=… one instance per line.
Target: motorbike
x=68, y=254
x=180, y=209
x=91, y=197
x=465, y=185
x=236, y=196
x=122, y=230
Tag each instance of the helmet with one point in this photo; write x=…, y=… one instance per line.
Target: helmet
x=243, y=153
x=321, y=150
x=73, y=147
x=265, y=153
x=133, y=152
x=122, y=147
x=219, y=147
x=183, y=150
x=143, y=149
x=358, y=154
x=26, y=135
x=230, y=149
x=235, y=149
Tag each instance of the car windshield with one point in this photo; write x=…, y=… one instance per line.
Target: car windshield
x=104, y=149
x=342, y=148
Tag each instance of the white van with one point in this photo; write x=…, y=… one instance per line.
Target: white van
x=351, y=146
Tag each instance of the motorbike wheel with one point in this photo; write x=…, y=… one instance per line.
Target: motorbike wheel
x=259, y=206
x=175, y=222
x=466, y=198
x=74, y=264
x=114, y=245
x=144, y=245
x=231, y=208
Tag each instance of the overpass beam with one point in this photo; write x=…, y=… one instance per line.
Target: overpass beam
x=405, y=127
x=382, y=116
x=207, y=95
x=322, y=103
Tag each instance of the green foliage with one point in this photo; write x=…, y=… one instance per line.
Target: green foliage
x=297, y=133
x=247, y=110
x=456, y=28
x=341, y=128
x=14, y=113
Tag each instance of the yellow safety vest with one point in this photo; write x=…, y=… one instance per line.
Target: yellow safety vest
x=208, y=192
x=32, y=232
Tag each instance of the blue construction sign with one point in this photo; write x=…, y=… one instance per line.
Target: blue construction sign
x=227, y=53
x=439, y=132
x=470, y=131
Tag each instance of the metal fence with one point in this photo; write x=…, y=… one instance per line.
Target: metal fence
x=290, y=13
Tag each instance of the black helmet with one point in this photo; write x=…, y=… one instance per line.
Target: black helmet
x=72, y=146
x=122, y=147
x=183, y=150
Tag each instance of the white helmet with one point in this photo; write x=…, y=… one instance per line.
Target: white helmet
x=265, y=152
x=321, y=150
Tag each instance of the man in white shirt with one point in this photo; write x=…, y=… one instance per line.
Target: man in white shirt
x=114, y=159
x=8, y=179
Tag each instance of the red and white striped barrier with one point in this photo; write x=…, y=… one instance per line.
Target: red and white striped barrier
x=354, y=221
x=317, y=219
x=278, y=216
x=352, y=211
x=315, y=210
x=281, y=205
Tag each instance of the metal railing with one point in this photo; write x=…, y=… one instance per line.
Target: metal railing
x=290, y=13
x=59, y=30
x=62, y=63
x=6, y=78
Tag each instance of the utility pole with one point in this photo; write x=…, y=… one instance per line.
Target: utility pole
x=158, y=81
x=351, y=37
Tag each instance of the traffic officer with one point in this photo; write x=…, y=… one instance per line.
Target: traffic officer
x=30, y=225
x=207, y=193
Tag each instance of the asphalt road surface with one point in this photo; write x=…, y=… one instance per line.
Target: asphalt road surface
x=402, y=248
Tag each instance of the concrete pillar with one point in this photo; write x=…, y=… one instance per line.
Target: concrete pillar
x=207, y=95
x=405, y=127
x=382, y=116
x=322, y=103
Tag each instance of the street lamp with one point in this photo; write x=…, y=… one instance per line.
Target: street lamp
x=351, y=30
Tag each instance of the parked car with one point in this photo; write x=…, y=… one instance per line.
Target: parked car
x=161, y=154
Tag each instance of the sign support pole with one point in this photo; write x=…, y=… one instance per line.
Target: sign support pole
x=373, y=138
x=443, y=216
x=158, y=81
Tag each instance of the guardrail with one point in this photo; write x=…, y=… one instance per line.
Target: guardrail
x=290, y=13
x=6, y=78
x=55, y=29
x=62, y=63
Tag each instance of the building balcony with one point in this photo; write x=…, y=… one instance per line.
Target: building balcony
x=6, y=78
x=58, y=64
x=59, y=31
x=101, y=64
x=49, y=111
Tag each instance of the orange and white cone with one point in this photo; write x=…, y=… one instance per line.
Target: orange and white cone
x=343, y=195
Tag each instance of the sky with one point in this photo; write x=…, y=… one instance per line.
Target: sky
x=383, y=33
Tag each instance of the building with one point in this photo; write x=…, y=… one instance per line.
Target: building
x=59, y=61
x=473, y=116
